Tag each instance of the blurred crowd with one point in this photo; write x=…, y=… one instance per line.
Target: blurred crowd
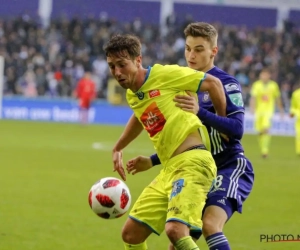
x=50, y=61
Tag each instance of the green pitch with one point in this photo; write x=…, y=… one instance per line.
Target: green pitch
x=48, y=169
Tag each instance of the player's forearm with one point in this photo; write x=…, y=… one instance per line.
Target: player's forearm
x=132, y=130
x=232, y=126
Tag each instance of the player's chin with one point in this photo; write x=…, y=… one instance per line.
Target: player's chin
x=193, y=66
x=123, y=84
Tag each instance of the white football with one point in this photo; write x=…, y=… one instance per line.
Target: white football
x=109, y=198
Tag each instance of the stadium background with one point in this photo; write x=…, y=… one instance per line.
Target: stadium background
x=47, y=168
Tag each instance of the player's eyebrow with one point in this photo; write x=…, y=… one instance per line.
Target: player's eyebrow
x=197, y=46
x=116, y=62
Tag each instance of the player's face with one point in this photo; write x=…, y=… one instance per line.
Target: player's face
x=124, y=70
x=265, y=76
x=199, y=53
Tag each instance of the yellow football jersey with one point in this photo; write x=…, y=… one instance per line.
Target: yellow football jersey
x=265, y=95
x=295, y=105
x=167, y=125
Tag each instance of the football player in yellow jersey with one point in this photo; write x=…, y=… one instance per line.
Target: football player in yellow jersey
x=174, y=200
x=295, y=112
x=265, y=94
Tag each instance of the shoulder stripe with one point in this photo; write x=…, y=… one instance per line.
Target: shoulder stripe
x=238, y=111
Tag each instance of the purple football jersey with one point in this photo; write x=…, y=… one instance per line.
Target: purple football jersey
x=222, y=149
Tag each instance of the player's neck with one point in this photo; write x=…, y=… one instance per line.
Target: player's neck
x=208, y=67
x=140, y=79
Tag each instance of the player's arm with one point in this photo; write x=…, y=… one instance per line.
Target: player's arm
x=293, y=107
x=198, y=81
x=216, y=92
x=278, y=101
x=132, y=130
x=252, y=102
x=232, y=125
x=140, y=164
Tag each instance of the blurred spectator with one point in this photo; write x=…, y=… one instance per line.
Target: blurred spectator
x=50, y=61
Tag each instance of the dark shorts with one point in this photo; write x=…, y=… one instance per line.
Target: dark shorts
x=231, y=188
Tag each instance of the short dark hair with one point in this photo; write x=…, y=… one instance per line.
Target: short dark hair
x=123, y=45
x=202, y=29
x=266, y=70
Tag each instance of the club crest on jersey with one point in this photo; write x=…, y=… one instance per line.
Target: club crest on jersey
x=154, y=93
x=205, y=97
x=140, y=95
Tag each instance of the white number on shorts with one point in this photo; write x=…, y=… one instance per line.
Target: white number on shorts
x=218, y=182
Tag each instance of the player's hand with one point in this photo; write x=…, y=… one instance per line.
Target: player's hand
x=138, y=164
x=187, y=103
x=292, y=115
x=118, y=163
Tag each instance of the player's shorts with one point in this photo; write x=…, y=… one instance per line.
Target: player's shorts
x=235, y=181
x=263, y=121
x=85, y=103
x=231, y=188
x=178, y=193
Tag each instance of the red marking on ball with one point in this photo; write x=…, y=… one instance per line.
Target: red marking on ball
x=104, y=200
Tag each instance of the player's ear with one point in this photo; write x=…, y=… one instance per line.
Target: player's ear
x=214, y=52
x=139, y=61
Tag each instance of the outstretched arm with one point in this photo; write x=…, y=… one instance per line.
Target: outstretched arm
x=132, y=130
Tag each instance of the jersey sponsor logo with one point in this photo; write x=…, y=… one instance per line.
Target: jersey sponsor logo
x=231, y=87
x=153, y=120
x=237, y=99
x=177, y=187
x=154, y=93
x=205, y=97
x=140, y=95
x=265, y=98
